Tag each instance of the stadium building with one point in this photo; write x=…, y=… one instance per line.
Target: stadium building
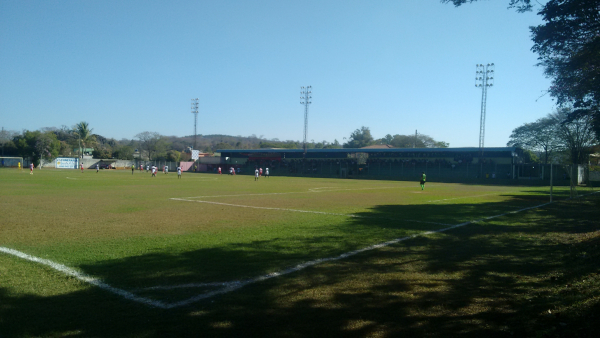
x=447, y=164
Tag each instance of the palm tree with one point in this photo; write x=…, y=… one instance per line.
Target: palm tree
x=84, y=134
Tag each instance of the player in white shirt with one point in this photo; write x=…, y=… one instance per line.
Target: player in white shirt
x=153, y=171
x=166, y=169
x=178, y=172
x=255, y=174
x=266, y=172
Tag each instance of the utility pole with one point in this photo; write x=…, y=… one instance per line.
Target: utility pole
x=195, y=112
x=484, y=78
x=415, y=142
x=306, y=91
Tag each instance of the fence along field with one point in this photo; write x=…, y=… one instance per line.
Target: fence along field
x=168, y=243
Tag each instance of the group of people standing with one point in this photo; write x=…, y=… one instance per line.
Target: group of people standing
x=258, y=172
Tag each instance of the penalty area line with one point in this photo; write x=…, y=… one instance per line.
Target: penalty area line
x=311, y=190
x=235, y=285
x=84, y=278
x=306, y=211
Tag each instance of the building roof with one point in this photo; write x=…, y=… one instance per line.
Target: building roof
x=378, y=146
x=369, y=150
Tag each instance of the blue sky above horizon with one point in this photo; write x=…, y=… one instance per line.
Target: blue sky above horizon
x=394, y=66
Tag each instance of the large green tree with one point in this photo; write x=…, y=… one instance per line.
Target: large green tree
x=6, y=137
x=123, y=152
x=557, y=132
x=539, y=136
x=37, y=145
x=416, y=141
x=568, y=45
x=154, y=144
x=576, y=135
x=47, y=146
x=360, y=138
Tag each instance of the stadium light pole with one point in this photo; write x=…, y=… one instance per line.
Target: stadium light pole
x=306, y=91
x=484, y=78
x=195, y=112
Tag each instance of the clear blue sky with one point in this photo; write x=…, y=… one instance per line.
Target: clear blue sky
x=394, y=66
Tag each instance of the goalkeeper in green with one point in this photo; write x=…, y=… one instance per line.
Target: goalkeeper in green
x=423, y=178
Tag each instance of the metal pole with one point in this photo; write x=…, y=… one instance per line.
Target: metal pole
x=484, y=78
x=306, y=91
x=551, y=183
x=195, y=112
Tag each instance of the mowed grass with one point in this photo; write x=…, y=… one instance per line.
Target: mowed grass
x=129, y=231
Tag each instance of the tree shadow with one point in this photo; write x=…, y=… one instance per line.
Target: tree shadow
x=497, y=279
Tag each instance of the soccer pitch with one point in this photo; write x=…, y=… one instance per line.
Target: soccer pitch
x=167, y=242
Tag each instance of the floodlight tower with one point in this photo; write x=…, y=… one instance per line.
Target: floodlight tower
x=484, y=78
x=195, y=112
x=306, y=91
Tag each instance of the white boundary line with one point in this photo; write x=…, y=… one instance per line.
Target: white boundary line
x=458, y=198
x=312, y=190
x=234, y=285
x=83, y=277
x=303, y=211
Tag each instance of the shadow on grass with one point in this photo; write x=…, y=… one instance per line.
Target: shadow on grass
x=241, y=261
x=522, y=275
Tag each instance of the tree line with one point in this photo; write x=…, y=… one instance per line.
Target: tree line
x=362, y=138
x=556, y=138
x=49, y=143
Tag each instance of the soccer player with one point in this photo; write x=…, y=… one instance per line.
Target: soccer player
x=19, y=165
x=31, y=168
x=147, y=168
x=153, y=171
x=97, y=168
x=166, y=169
x=164, y=166
x=255, y=174
x=178, y=172
x=141, y=167
x=82, y=168
x=132, y=169
x=423, y=178
x=260, y=172
x=220, y=171
x=267, y=172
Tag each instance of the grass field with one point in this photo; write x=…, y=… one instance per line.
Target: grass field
x=210, y=255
